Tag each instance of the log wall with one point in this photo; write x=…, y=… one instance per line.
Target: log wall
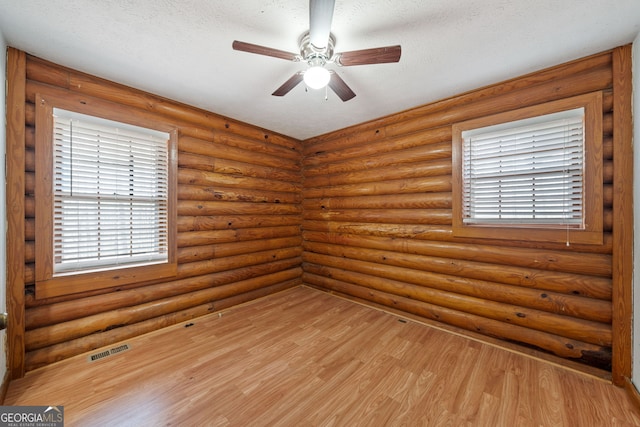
x=363, y=212
x=239, y=217
x=377, y=225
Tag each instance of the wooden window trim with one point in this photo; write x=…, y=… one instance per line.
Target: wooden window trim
x=592, y=233
x=46, y=284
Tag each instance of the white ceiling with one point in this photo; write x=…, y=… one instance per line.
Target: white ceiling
x=181, y=49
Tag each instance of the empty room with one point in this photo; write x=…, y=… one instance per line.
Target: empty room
x=322, y=213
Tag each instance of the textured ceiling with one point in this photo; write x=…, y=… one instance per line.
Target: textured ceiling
x=181, y=49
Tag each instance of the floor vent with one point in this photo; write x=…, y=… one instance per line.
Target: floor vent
x=107, y=353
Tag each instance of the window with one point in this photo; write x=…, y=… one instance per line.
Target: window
x=106, y=188
x=110, y=193
x=531, y=174
x=525, y=172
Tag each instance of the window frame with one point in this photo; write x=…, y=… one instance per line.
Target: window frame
x=592, y=230
x=50, y=285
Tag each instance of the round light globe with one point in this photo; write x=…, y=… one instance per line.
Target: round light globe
x=317, y=77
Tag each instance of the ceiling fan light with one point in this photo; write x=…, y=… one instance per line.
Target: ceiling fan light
x=317, y=77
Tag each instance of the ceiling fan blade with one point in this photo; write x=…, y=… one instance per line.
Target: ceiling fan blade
x=340, y=87
x=262, y=50
x=288, y=85
x=378, y=55
x=320, y=17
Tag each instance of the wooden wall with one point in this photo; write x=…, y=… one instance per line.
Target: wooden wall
x=239, y=216
x=377, y=225
x=363, y=212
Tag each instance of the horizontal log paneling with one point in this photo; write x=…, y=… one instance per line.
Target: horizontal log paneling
x=192, y=207
x=58, y=309
x=199, y=177
x=414, y=231
x=426, y=158
x=72, y=329
x=230, y=194
x=215, y=150
x=398, y=186
x=231, y=167
x=203, y=223
x=405, y=216
x=47, y=355
x=442, y=114
x=39, y=70
x=29, y=272
x=394, y=216
x=579, y=329
x=409, y=170
x=30, y=160
x=377, y=129
x=198, y=253
x=196, y=238
x=573, y=285
x=497, y=291
x=553, y=260
x=366, y=212
x=335, y=153
x=211, y=149
x=559, y=345
x=378, y=225
x=239, y=216
x=404, y=201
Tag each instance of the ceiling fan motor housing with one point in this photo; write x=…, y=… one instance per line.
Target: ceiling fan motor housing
x=313, y=55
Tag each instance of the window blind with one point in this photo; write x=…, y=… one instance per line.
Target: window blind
x=110, y=194
x=525, y=172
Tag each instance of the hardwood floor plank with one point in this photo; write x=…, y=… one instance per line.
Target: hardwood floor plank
x=306, y=358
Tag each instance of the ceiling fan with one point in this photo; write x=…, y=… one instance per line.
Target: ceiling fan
x=316, y=49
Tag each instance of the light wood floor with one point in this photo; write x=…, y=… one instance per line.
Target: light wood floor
x=303, y=357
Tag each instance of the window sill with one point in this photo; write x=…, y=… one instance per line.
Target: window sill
x=76, y=283
x=553, y=235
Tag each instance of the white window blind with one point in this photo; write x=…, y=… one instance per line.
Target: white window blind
x=110, y=194
x=525, y=172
